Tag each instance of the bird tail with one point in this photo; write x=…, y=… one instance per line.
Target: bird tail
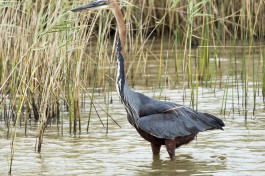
x=217, y=123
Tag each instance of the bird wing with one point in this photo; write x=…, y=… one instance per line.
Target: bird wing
x=177, y=121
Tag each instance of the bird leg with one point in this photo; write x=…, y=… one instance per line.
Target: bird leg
x=155, y=148
x=171, y=146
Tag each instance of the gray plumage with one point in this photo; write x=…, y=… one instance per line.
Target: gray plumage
x=159, y=122
x=161, y=119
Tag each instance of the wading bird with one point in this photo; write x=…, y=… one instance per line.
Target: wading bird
x=159, y=122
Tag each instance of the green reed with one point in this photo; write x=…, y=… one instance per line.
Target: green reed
x=50, y=58
x=263, y=76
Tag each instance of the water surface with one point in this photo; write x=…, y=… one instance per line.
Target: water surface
x=238, y=150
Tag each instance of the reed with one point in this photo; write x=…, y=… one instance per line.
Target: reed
x=263, y=76
x=50, y=58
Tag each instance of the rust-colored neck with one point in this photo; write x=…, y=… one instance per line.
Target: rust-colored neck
x=121, y=24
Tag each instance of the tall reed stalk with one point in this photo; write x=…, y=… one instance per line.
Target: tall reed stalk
x=263, y=75
x=50, y=58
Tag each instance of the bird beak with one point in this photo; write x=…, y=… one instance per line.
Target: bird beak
x=99, y=4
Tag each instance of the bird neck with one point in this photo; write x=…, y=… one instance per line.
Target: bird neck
x=127, y=96
x=121, y=26
x=121, y=81
x=120, y=78
x=125, y=93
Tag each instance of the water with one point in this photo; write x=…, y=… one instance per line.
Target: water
x=238, y=150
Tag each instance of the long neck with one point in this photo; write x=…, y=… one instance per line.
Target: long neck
x=121, y=26
x=127, y=96
x=121, y=81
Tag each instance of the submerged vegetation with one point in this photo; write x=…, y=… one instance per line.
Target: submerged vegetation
x=51, y=59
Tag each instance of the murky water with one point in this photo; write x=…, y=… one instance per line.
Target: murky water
x=238, y=150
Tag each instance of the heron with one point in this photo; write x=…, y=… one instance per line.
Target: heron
x=158, y=122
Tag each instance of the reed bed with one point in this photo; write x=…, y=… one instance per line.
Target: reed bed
x=51, y=58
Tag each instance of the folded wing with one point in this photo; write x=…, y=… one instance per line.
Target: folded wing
x=178, y=121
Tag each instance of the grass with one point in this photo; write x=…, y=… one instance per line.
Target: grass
x=50, y=57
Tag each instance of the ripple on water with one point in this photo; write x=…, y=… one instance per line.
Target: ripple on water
x=238, y=150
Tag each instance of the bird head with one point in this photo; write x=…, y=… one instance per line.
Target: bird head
x=98, y=4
